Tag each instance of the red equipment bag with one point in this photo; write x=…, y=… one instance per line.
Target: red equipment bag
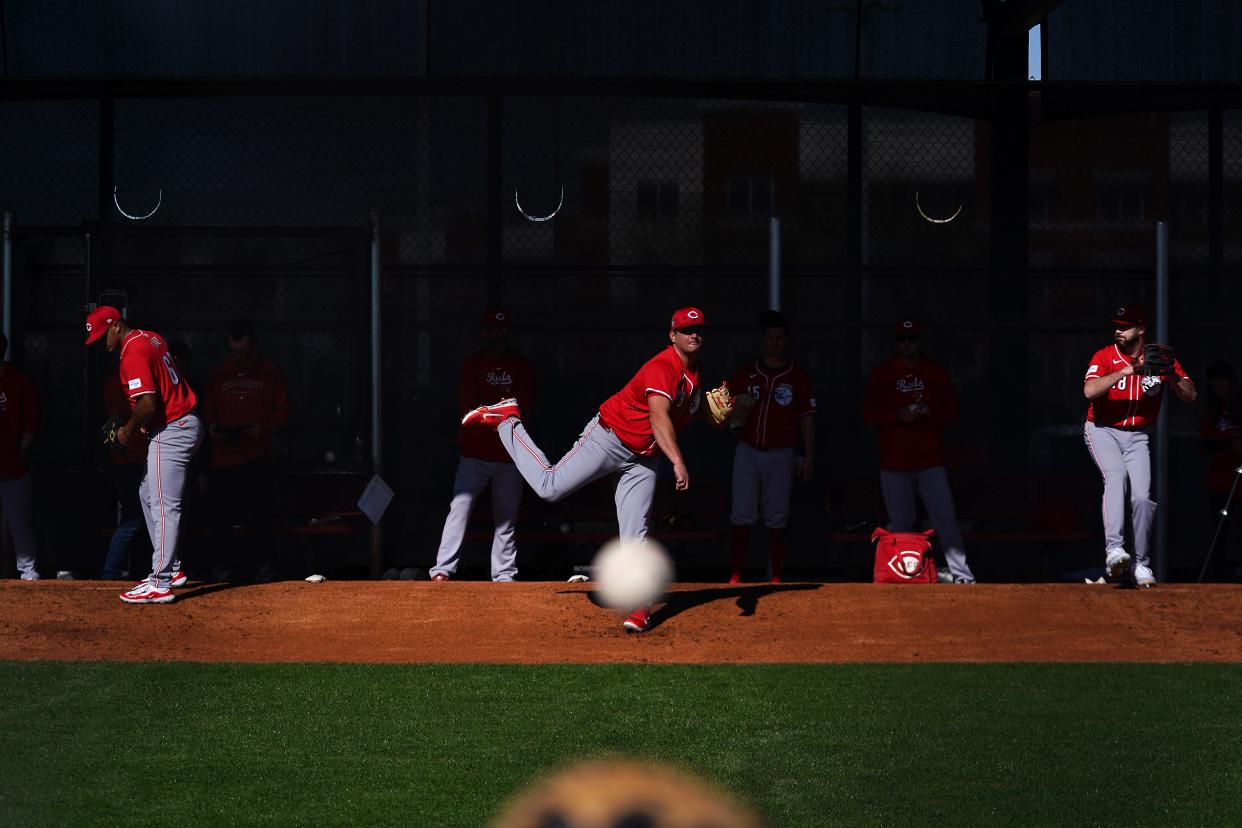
x=903, y=557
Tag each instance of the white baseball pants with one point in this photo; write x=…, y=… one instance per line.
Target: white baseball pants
x=168, y=459
x=473, y=476
x=932, y=487
x=596, y=453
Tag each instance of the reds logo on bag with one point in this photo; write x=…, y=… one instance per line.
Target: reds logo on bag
x=903, y=557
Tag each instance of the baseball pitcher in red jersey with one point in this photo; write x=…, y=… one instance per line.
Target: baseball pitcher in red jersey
x=764, y=465
x=496, y=372
x=161, y=411
x=1124, y=398
x=910, y=400
x=622, y=437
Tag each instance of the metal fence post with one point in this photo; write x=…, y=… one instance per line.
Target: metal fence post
x=774, y=263
x=377, y=375
x=1161, y=545
x=8, y=277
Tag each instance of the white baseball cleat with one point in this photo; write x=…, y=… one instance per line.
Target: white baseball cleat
x=1115, y=561
x=1143, y=576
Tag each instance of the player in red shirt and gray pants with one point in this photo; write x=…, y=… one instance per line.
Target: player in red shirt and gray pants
x=910, y=400
x=644, y=415
x=19, y=423
x=1122, y=410
x=246, y=403
x=496, y=372
x=162, y=408
x=764, y=463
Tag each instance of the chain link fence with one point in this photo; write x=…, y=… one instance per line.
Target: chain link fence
x=264, y=205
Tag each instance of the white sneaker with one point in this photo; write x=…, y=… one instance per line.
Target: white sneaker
x=1115, y=561
x=1143, y=576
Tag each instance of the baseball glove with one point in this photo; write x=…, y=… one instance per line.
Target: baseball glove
x=108, y=434
x=1157, y=361
x=743, y=404
x=719, y=405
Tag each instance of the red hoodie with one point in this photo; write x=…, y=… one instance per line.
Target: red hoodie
x=916, y=445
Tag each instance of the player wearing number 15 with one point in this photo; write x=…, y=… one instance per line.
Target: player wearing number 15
x=161, y=411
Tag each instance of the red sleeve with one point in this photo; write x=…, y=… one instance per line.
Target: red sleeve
x=806, y=395
x=877, y=410
x=137, y=378
x=280, y=402
x=659, y=378
x=1179, y=371
x=210, y=405
x=945, y=410
x=526, y=394
x=1099, y=367
x=737, y=383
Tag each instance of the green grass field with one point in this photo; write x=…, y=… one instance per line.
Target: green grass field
x=809, y=745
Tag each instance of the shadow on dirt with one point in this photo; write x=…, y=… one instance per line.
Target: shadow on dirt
x=746, y=595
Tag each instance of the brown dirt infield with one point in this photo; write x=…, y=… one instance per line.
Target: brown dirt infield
x=524, y=623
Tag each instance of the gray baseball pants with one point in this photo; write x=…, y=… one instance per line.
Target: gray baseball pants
x=168, y=459
x=596, y=453
x=762, y=486
x=932, y=487
x=1123, y=455
x=473, y=476
x=15, y=499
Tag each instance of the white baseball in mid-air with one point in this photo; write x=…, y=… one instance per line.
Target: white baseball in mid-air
x=631, y=574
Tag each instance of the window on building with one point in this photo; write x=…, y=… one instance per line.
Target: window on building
x=751, y=195
x=658, y=199
x=1121, y=200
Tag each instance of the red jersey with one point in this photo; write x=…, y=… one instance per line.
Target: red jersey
x=626, y=413
x=1134, y=401
x=485, y=380
x=1220, y=428
x=19, y=416
x=915, y=445
x=783, y=397
x=238, y=395
x=148, y=368
x=116, y=405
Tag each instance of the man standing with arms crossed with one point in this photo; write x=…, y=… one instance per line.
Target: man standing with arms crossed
x=910, y=401
x=246, y=404
x=161, y=410
x=1124, y=400
x=496, y=372
x=622, y=438
x=764, y=463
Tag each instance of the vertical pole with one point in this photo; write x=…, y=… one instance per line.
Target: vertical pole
x=377, y=377
x=1216, y=199
x=1161, y=541
x=8, y=278
x=774, y=263
x=495, y=225
x=856, y=309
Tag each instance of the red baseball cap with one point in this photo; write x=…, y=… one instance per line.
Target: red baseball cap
x=687, y=318
x=1129, y=315
x=99, y=320
x=496, y=318
x=909, y=327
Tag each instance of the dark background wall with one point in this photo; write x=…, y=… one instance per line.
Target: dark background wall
x=670, y=178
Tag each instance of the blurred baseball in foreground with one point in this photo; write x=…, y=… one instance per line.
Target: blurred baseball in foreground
x=631, y=573
x=609, y=794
